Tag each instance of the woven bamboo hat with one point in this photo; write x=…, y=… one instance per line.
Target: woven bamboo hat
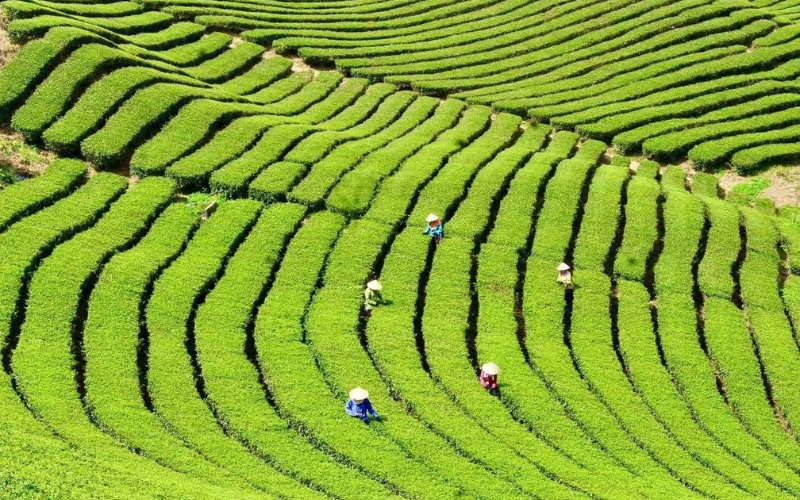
x=490, y=369
x=431, y=218
x=563, y=266
x=375, y=286
x=359, y=394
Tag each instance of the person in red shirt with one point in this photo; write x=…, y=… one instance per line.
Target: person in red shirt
x=488, y=377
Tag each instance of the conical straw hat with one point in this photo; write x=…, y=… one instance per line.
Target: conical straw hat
x=375, y=286
x=563, y=267
x=359, y=393
x=490, y=369
x=431, y=218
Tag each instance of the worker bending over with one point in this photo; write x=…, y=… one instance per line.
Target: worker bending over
x=435, y=228
x=372, y=296
x=565, y=280
x=488, y=377
x=359, y=405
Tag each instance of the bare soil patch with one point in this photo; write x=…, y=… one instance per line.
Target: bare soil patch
x=8, y=50
x=24, y=159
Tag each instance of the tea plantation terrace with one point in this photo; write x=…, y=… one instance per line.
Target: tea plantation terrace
x=154, y=349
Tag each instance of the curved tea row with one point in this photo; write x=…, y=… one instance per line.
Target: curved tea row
x=167, y=353
x=151, y=349
x=714, y=82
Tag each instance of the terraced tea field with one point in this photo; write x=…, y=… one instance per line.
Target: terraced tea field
x=155, y=348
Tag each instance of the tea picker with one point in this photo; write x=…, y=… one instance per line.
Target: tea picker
x=359, y=405
x=435, y=228
x=372, y=296
x=488, y=377
x=565, y=280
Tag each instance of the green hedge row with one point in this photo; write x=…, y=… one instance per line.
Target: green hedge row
x=352, y=194
x=44, y=358
x=590, y=312
x=55, y=291
x=514, y=216
x=16, y=9
x=364, y=121
x=638, y=347
x=678, y=86
x=442, y=193
x=111, y=341
x=591, y=339
x=318, y=89
x=543, y=308
x=326, y=107
x=684, y=219
x=33, y=63
x=751, y=159
x=602, y=213
x=22, y=30
x=650, y=31
x=645, y=123
x=98, y=103
x=532, y=32
x=697, y=28
x=673, y=144
x=260, y=76
x=175, y=34
x=113, y=476
x=232, y=179
x=523, y=391
x=444, y=327
x=788, y=225
x=182, y=134
x=730, y=344
x=171, y=382
x=641, y=225
x=325, y=173
x=271, y=33
x=671, y=435
x=147, y=109
x=636, y=58
x=554, y=225
x=684, y=216
x=396, y=355
x=40, y=232
x=22, y=199
x=714, y=273
x=332, y=325
x=231, y=380
x=387, y=16
x=189, y=54
x=55, y=94
x=275, y=181
x=479, y=25
x=289, y=368
x=228, y=64
x=560, y=79
x=487, y=189
x=395, y=195
x=765, y=310
x=531, y=37
x=726, y=332
x=192, y=172
x=282, y=88
x=245, y=18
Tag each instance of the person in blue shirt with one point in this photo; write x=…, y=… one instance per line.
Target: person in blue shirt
x=435, y=228
x=359, y=405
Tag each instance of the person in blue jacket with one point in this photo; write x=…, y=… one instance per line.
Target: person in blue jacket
x=359, y=405
x=435, y=228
